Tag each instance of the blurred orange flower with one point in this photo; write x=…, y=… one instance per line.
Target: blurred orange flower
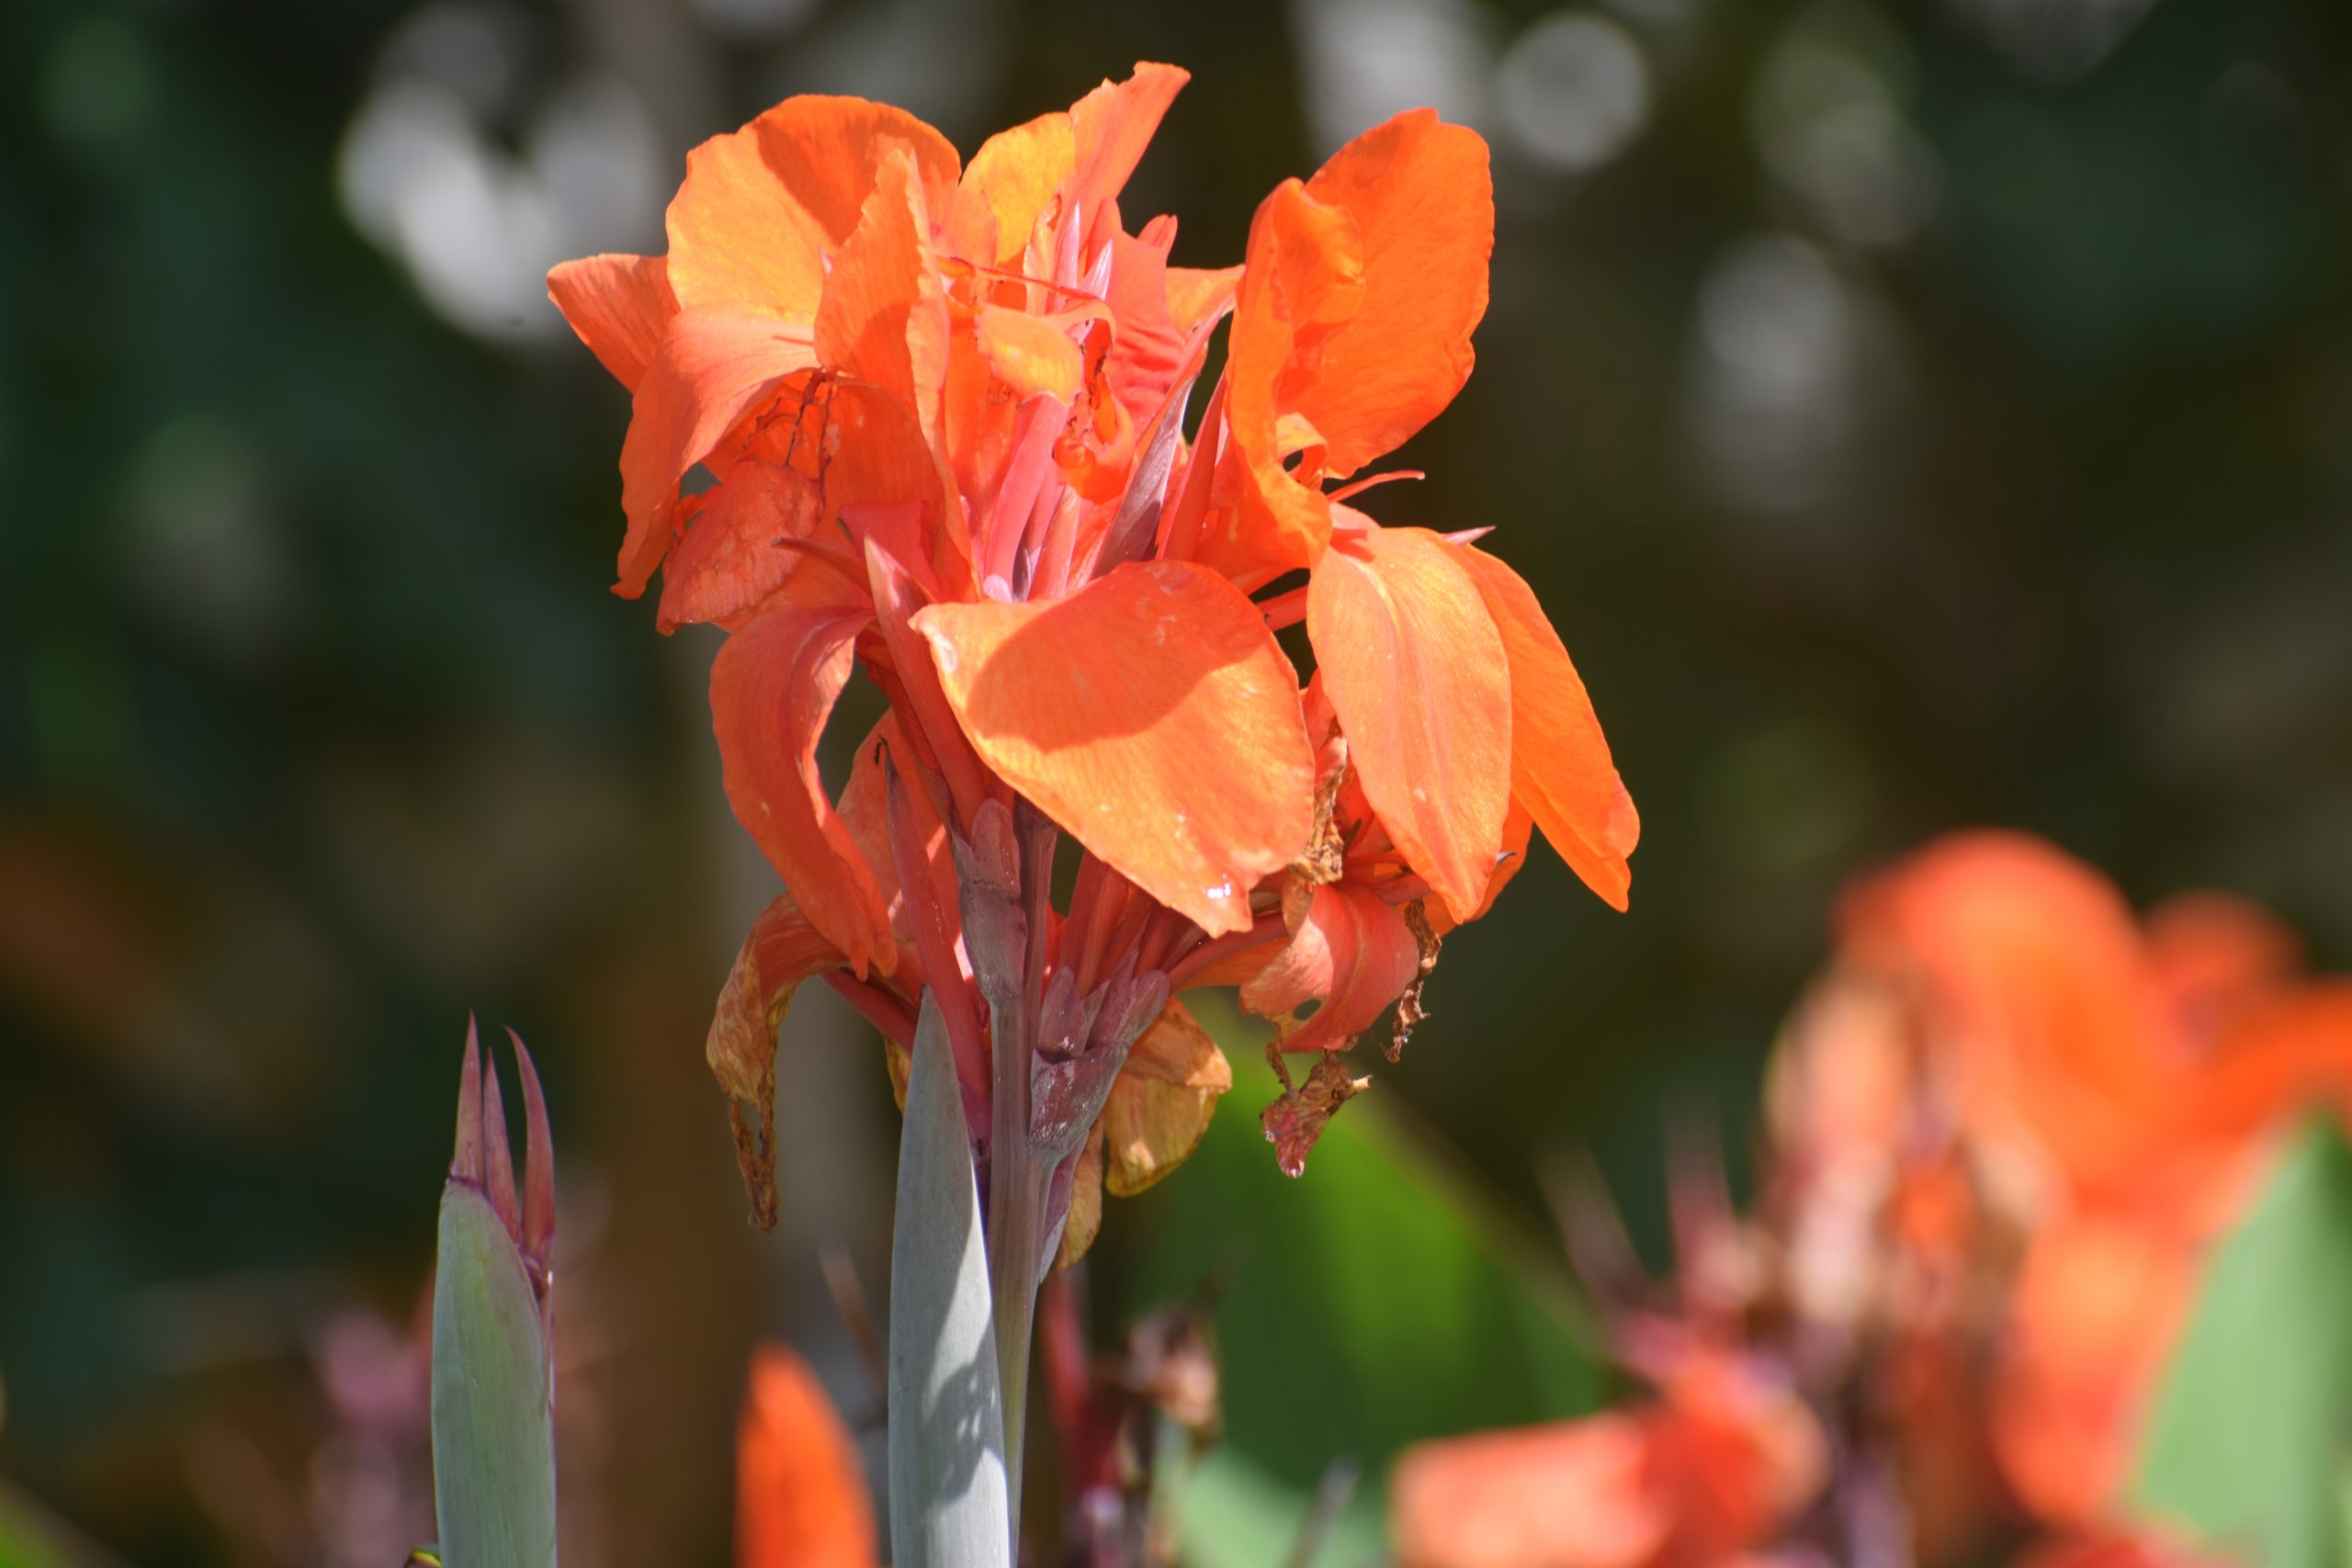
x=801, y=1494
x=2088, y=1101
x=1711, y=1473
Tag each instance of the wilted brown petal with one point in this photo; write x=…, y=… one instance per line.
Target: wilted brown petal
x=781, y=951
x=1295, y=1121
x=1409, y=1010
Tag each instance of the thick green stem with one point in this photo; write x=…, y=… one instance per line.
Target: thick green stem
x=1012, y=1240
x=1017, y=1178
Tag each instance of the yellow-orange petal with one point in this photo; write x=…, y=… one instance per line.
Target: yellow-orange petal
x=1560, y=766
x=763, y=207
x=1031, y=354
x=1153, y=717
x=710, y=371
x=617, y=305
x=1302, y=278
x=771, y=688
x=800, y=1493
x=1197, y=295
x=1007, y=185
x=1415, y=668
x=1349, y=951
x=1424, y=209
x=883, y=320
x=1161, y=1101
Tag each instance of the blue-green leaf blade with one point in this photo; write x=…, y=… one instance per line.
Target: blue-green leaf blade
x=948, y=1500
x=493, y=1436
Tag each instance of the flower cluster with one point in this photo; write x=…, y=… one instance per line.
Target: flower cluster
x=2008, y=1128
x=944, y=406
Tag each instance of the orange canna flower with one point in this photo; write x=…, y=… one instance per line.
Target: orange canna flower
x=2096, y=1308
x=2015, y=1119
x=801, y=1494
x=1707, y=1476
x=944, y=408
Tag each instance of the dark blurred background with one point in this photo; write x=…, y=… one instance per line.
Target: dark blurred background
x=1913, y=416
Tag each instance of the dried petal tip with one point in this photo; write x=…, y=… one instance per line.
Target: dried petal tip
x=538, y=1161
x=465, y=1165
x=1295, y=1121
x=1410, y=1012
x=498, y=1159
x=484, y=1160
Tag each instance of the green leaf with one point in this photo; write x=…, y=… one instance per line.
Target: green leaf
x=1370, y=1303
x=1233, y=1515
x=493, y=1435
x=30, y=1538
x=2247, y=1439
x=948, y=1501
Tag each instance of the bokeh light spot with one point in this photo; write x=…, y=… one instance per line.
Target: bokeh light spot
x=1575, y=90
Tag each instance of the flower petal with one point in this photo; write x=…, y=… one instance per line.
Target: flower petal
x=801, y=1494
x=1560, y=766
x=2095, y=1315
x=737, y=552
x=865, y=810
x=771, y=688
x=1293, y=1124
x=883, y=320
x=1197, y=295
x=710, y=371
x=1302, y=278
x=763, y=207
x=1415, y=669
x=1571, y=1494
x=1085, y=1221
x=1113, y=125
x=1161, y=1102
x=1149, y=351
x=1349, y=951
x=1153, y=717
x=617, y=305
x=1031, y=354
x=1424, y=207
x=878, y=459
x=782, y=951
x=1007, y=185
x=2030, y=978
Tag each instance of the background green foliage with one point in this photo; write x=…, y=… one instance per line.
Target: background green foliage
x=2250, y=1441
x=2007, y=485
